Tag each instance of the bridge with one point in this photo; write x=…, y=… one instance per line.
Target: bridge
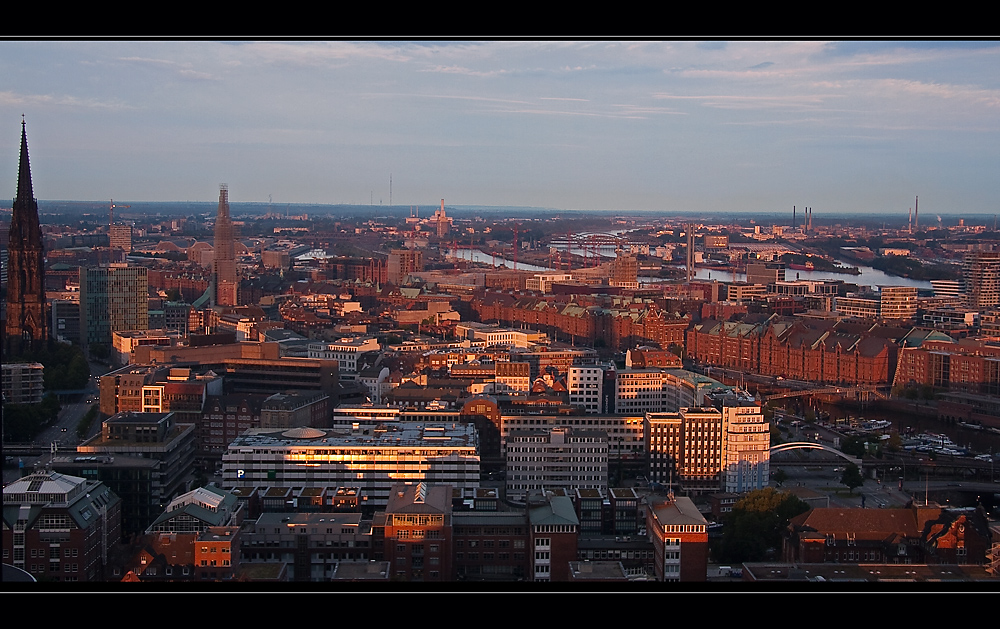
x=809, y=445
x=855, y=391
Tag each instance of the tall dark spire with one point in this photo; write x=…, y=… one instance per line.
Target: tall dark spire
x=24, y=191
x=27, y=324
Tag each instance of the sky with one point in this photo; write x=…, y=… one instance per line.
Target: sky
x=668, y=126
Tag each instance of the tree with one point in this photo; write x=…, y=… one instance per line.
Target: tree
x=754, y=526
x=852, y=477
x=779, y=476
x=895, y=442
x=855, y=446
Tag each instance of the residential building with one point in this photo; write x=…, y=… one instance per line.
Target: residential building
x=898, y=302
x=23, y=383
x=859, y=306
x=625, y=271
x=981, y=279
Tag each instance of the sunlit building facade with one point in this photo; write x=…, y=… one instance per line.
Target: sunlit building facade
x=372, y=459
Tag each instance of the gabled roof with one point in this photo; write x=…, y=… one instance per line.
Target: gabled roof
x=557, y=510
x=867, y=524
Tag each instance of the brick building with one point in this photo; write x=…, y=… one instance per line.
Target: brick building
x=553, y=534
x=922, y=534
x=60, y=527
x=414, y=533
x=680, y=540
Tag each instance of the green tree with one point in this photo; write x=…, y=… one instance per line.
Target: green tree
x=852, y=477
x=855, y=446
x=83, y=427
x=776, y=435
x=23, y=422
x=754, y=527
x=100, y=351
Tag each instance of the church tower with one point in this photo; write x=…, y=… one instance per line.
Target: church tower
x=27, y=326
x=226, y=287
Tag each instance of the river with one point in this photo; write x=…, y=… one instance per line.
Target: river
x=869, y=276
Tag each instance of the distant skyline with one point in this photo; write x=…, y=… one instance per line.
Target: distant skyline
x=675, y=126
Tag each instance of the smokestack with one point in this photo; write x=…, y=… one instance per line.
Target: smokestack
x=916, y=212
x=793, y=217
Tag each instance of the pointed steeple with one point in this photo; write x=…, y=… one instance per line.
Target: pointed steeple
x=26, y=323
x=24, y=219
x=24, y=192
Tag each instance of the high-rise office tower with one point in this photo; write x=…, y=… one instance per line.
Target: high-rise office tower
x=981, y=276
x=27, y=325
x=225, y=286
x=113, y=298
x=120, y=237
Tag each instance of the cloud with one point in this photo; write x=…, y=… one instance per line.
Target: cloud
x=62, y=100
x=183, y=70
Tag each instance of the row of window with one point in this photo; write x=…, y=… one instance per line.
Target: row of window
x=54, y=567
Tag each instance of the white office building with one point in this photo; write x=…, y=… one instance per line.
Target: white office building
x=556, y=458
x=372, y=458
x=586, y=388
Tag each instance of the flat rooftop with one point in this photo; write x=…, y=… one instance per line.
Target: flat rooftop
x=457, y=435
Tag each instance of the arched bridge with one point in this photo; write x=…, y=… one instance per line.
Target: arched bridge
x=809, y=445
x=856, y=391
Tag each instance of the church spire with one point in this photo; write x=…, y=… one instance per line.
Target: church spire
x=24, y=192
x=27, y=323
x=24, y=220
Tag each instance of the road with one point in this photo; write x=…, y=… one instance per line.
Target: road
x=62, y=432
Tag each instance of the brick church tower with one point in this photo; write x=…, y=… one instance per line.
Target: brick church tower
x=27, y=326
